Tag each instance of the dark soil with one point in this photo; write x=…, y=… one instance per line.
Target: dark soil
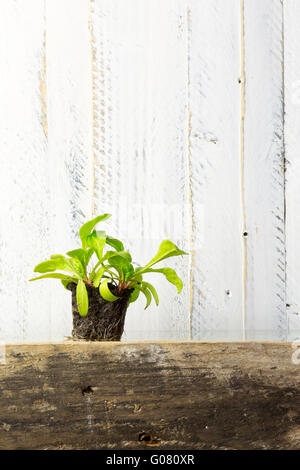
x=104, y=320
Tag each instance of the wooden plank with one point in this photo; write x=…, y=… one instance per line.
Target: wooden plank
x=263, y=171
x=192, y=395
x=69, y=104
x=25, y=201
x=292, y=125
x=215, y=180
x=140, y=143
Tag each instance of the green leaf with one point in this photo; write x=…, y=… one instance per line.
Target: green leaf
x=129, y=272
x=65, y=282
x=79, y=254
x=105, y=293
x=48, y=266
x=171, y=276
x=137, y=277
x=115, y=243
x=124, y=268
x=93, y=272
x=82, y=298
x=58, y=262
x=84, y=256
x=77, y=266
x=98, y=276
x=146, y=293
x=134, y=295
x=152, y=290
x=72, y=265
x=96, y=240
x=55, y=276
x=88, y=255
x=111, y=254
x=112, y=273
x=121, y=261
x=166, y=250
x=86, y=228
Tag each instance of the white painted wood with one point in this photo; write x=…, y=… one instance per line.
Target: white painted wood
x=215, y=169
x=292, y=155
x=25, y=197
x=136, y=108
x=263, y=175
x=45, y=157
x=69, y=98
x=140, y=143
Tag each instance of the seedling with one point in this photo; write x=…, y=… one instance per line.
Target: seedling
x=113, y=273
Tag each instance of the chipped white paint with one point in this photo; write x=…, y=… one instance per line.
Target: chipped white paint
x=169, y=115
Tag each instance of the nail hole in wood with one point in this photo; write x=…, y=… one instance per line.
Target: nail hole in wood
x=87, y=390
x=245, y=234
x=145, y=437
x=228, y=293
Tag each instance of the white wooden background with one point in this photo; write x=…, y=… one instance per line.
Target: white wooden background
x=179, y=117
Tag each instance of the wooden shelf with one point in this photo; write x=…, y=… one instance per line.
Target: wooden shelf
x=186, y=395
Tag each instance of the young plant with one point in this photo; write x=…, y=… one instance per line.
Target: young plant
x=113, y=268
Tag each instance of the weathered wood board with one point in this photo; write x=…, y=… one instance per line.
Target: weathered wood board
x=214, y=152
x=139, y=60
x=292, y=196
x=192, y=395
x=24, y=185
x=69, y=98
x=263, y=171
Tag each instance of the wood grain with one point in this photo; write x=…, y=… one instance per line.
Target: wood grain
x=70, y=162
x=193, y=395
x=215, y=169
x=24, y=183
x=263, y=171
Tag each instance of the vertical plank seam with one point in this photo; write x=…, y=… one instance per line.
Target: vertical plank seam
x=242, y=156
x=93, y=106
x=190, y=194
x=43, y=80
x=284, y=162
x=44, y=123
